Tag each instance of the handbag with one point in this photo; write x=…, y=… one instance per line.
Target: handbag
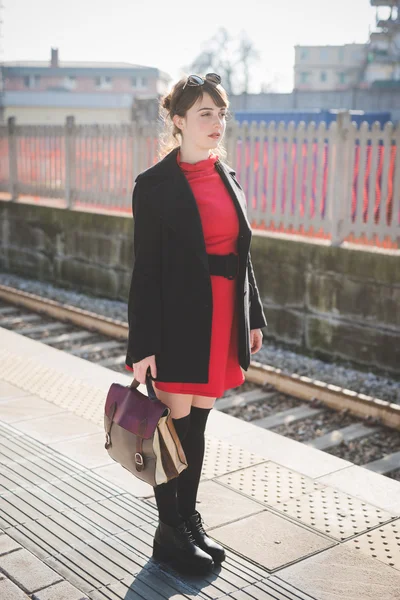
x=140, y=433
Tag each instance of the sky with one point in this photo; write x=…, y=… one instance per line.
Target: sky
x=169, y=34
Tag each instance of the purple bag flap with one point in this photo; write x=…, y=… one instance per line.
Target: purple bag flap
x=133, y=409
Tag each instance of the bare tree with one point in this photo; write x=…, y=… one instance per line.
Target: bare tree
x=247, y=56
x=231, y=57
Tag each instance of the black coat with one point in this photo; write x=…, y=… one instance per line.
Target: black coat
x=170, y=297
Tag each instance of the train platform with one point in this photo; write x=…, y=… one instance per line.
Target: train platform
x=297, y=522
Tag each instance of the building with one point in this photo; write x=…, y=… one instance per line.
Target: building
x=329, y=68
x=93, y=92
x=383, y=64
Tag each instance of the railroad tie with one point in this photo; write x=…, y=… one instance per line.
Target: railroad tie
x=336, y=437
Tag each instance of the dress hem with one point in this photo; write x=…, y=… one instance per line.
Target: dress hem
x=196, y=392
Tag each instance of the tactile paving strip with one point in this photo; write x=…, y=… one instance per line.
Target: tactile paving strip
x=269, y=483
x=98, y=536
x=382, y=543
x=221, y=457
x=335, y=513
x=54, y=386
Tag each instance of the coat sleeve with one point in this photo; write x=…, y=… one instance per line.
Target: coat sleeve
x=144, y=302
x=257, y=317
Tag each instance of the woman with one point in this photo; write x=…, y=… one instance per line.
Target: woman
x=191, y=321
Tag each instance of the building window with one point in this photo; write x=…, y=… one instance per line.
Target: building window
x=324, y=53
x=303, y=54
x=32, y=81
x=70, y=82
x=304, y=76
x=138, y=82
x=342, y=77
x=341, y=54
x=104, y=82
x=323, y=75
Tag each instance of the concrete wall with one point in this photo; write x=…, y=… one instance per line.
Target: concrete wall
x=86, y=251
x=323, y=300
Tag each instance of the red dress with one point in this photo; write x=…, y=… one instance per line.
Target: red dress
x=221, y=229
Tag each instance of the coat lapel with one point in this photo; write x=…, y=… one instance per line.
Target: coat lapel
x=177, y=205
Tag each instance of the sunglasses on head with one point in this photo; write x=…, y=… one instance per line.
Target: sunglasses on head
x=197, y=80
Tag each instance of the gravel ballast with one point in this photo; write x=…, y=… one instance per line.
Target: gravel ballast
x=364, y=382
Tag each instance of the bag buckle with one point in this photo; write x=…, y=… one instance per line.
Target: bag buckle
x=139, y=459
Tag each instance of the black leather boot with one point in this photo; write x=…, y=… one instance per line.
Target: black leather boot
x=176, y=545
x=210, y=546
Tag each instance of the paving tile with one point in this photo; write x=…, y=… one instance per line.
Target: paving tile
x=9, y=591
x=26, y=407
x=28, y=571
x=22, y=448
x=272, y=446
x=116, y=517
x=55, y=428
x=289, y=453
x=269, y=482
x=24, y=505
x=219, y=505
x=87, y=450
x=381, y=543
x=343, y=573
x=371, y=487
x=56, y=534
x=31, y=474
x=334, y=513
x=60, y=591
x=7, y=390
x=221, y=457
x=125, y=479
x=97, y=564
x=80, y=489
x=236, y=572
x=10, y=481
x=270, y=540
x=152, y=584
x=270, y=589
x=7, y=544
x=130, y=503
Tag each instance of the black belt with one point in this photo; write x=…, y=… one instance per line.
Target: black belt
x=223, y=264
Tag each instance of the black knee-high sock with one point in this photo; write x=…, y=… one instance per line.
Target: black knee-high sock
x=165, y=493
x=193, y=445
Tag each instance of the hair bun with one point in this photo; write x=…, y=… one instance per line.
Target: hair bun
x=167, y=102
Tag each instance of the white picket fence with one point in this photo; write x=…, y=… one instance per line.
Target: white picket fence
x=338, y=183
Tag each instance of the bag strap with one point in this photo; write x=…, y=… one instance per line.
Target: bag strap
x=150, y=389
x=139, y=463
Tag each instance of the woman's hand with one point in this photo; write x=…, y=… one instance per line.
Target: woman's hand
x=140, y=368
x=256, y=338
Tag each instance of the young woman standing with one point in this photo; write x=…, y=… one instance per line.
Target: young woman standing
x=194, y=308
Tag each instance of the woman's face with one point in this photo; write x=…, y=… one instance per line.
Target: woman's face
x=204, y=124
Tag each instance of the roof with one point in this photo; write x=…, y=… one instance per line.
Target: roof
x=74, y=64
x=25, y=67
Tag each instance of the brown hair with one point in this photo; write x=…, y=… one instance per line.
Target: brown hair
x=177, y=102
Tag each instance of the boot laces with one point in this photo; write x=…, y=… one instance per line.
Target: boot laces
x=199, y=523
x=184, y=527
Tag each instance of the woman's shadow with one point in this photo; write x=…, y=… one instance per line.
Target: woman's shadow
x=158, y=581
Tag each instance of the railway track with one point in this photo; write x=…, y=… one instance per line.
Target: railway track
x=353, y=426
